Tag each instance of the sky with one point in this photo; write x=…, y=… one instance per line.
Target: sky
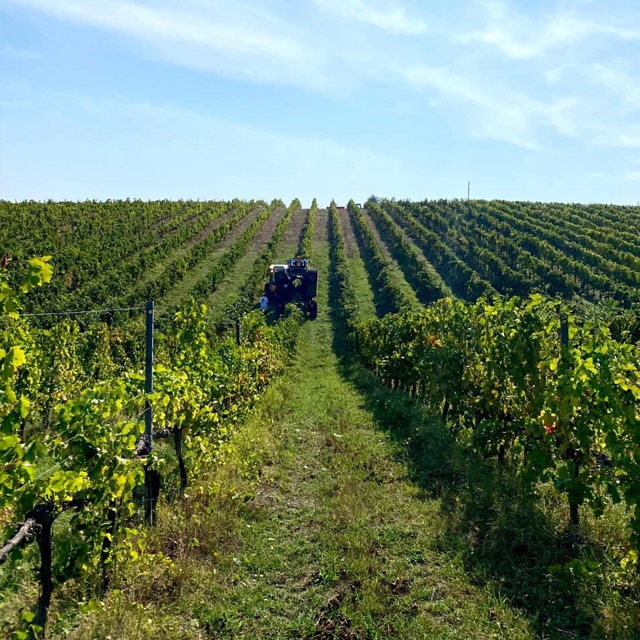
x=210, y=99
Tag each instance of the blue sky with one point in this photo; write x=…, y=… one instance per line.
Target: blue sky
x=536, y=100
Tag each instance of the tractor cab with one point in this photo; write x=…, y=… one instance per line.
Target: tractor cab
x=298, y=267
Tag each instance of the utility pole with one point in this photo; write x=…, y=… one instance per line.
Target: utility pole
x=468, y=190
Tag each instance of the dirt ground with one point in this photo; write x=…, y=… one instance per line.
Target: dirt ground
x=350, y=242
x=266, y=231
x=293, y=233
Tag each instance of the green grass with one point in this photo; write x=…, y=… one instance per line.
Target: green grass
x=230, y=285
x=285, y=252
x=364, y=295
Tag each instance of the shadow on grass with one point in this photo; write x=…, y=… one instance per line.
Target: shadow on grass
x=503, y=538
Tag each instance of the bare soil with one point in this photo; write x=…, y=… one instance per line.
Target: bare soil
x=381, y=243
x=350, y=242
x=266, y=231
x=321, y=223
x=293, y=234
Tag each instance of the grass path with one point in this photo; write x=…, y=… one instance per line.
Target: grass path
x=338, y=542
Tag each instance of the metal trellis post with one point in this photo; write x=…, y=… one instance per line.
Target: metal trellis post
x=151, y=477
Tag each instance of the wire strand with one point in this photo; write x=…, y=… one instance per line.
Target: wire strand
x=108, y=420
x=75, y=313
x=59, y=464
x=44, y=473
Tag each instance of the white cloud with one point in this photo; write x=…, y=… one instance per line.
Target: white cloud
x=514, y=97
x=632, y=175
x=518, y=98
x=216, y=36
x=619, y=83
x=169, y=25
x=9, y=51
x=519, y=36
x=393, y=19
x=497, y=113
x=605, y=113
x=197, y=155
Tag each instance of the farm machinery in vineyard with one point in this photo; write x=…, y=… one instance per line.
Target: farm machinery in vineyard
x=293, y=282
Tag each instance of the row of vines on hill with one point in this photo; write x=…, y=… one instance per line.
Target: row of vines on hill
x=226, y=261
x=96, y=262
x=463, y=281
x=520, y=248
x=72, y=410
x=307, y=235
x=420, y=275
x=543, y=389
x=392, y=298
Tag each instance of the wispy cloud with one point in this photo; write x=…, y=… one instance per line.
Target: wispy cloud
x=9, y=51
x=214, y=36
x=632, y=175
x=517, y=35
x=498, y=113
x=187, y=159
x=619, y=83
x=505, y=84
x=392, y=18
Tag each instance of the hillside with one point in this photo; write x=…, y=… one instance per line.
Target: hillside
x=430, y=458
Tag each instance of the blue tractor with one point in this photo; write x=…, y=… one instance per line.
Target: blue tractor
x=293, y=282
